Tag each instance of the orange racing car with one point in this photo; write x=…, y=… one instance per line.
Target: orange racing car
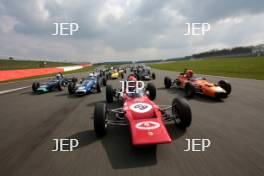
x=193, y=85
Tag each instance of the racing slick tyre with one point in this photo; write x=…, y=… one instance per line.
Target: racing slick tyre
x=104, y=81
x=35, y=86
x=189, y=90
x=152, y=91
x=108, y=76
x=182, y=112
x=71, y=88
x=74, y=79
x=167, y=82
x=98, y=87
x=64, y=82
x=59, y=86
x=99, y=119
x=109, y=93
x=225, y=85
x=153, y=76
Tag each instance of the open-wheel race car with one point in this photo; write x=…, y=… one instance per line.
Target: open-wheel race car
x=114, y=74
x=145, y=119
x=145, y=74
x=200, y=85
x=56, y=83
x=89, y=85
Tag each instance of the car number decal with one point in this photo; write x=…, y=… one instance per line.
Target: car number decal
x=147, y=125
x=140, y=107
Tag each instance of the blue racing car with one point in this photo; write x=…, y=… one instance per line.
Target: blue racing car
x=54, y=84
x=91, y=84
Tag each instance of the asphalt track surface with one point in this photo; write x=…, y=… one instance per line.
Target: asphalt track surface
x=29, y=123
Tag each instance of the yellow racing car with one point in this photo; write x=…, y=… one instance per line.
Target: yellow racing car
x=114, y=75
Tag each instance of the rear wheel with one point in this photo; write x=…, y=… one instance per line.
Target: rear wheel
x=59, y=86
x=167, y=82
x=98, y=87
x=71, y=88
x=35, y=86
x=182, y=112
x=64, y=82
x=225, y=85
x=109, y=93
x=104, y=81
x=108, y=76
x=153, y=76
x=99, y=119
x=189, y=90
x=74, y=79
x=152, y=91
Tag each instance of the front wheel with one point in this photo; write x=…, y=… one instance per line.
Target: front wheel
x=189, y=90
x=226, y=86
x=167, y=82
x=98, y=87
x=59, y=86
x=100, y=119
x=151, y=91
x=109, y=93
x=104, y=81
x=182, y=112
x=64, y=83
x=153, y=76
x=108, y=76
x=35, y=86
x=71, y=88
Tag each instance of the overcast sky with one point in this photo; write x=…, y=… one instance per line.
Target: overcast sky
x=126, y=29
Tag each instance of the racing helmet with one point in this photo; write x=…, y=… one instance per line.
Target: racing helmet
x=189, y=73
x=132, y=84
x=59, y=76
x=91, y=75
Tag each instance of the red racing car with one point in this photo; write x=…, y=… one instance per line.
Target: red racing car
x=200, y=85
x=145, y=119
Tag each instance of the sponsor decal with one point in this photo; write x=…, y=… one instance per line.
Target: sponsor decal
x=140, y=107
x=147, y=125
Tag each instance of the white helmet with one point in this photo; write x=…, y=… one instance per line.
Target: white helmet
x=58, y=76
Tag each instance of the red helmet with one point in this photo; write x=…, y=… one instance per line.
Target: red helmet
x=132, y=84
x=131, y=78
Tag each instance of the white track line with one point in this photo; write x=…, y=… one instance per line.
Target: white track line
x=13, y=90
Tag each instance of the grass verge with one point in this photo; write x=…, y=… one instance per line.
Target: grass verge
x=241, y=67
x=26, y=64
